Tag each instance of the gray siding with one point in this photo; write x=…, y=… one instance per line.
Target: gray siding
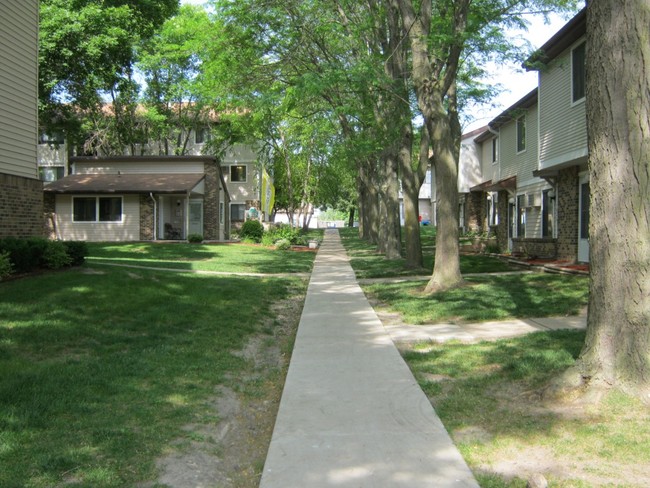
x=563, y=124
x=18, y=87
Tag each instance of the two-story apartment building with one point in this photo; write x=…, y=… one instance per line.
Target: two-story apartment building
x=21, y=196
x=534, y=157
x=195, y=213
x=563, y=134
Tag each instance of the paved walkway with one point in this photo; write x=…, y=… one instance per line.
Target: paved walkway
x=351, y=414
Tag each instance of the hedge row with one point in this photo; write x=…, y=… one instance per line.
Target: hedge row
x=27, y=255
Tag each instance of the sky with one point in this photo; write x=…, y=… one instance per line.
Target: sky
x=515, y=81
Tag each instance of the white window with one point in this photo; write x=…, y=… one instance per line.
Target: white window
x=521, y=134
x=238, y=173
x=97, y=209
x=578, y=73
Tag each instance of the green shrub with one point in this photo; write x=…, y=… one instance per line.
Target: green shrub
x=55, y=255
x=6, y=268
x=25, y=254
x=195, y=238
x=252, y=230
x=285, y=231
x=283, y=245
x=268, y=240
x=77, y=250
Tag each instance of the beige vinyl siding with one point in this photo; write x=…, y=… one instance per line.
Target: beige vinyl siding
x=490, y=171
x=18, y=87
x=138, y=167
x=534, y=214
x=563, y=124
x=240, y=192
x=520, y=164
x=127, y=230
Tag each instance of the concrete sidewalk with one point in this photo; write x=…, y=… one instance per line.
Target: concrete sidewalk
x=351, y=414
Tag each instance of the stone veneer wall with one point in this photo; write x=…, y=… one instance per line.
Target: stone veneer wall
x=211, y=201
x=534, y=247
x=49, y=214
x=146, y=218
x=21, y=206
x=502, y=228
x=476, y=211
x=568, y=203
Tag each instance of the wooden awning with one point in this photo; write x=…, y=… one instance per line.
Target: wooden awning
x=126, y=183
x=505, y=184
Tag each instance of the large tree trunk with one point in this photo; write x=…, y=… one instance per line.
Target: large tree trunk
x=434, y=80
x=412, y=179
x=617, y=348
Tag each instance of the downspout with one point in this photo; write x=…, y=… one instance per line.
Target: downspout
x=187, y=214
x=155, y=220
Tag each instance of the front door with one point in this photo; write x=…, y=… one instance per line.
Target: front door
x=196, y=217
x=583, y=219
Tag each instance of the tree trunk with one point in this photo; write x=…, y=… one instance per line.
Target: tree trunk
x=617, y=347
x=434, y=85
x=351, y=217
x=390, y=241
x=411, y=183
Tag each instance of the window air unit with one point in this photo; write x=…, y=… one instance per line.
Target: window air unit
x=533, y=200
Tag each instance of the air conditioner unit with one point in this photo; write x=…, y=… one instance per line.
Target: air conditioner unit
x=533, y=200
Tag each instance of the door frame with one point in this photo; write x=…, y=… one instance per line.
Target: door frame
x=583, y=241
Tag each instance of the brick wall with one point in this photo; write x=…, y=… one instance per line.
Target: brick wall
x=534, y=247
x=567, y=228
x=476, y=211
x=211, y=201
x=21, y=206
x=146, y=218
x=502, y=228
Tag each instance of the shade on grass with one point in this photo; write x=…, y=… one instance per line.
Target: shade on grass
x=487, y=298
x=488, y=396
x=98, y=372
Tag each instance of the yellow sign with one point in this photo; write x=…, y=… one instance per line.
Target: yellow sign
x=268, y=194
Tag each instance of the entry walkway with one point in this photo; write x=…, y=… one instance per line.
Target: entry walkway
x=352, y=414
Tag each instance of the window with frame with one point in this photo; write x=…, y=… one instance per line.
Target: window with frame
x=521, y=215
x=495, y=150
x=584, y=211
x=97, y=209
x=201, y=135
x=55, y=137
x=521, y=134
x=51, y=173
x=237, y=212
x=238, y=173
x=548, y=212
x=578, y=73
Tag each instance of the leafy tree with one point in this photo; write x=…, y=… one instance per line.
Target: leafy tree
x=86, y=52
x=440, y=33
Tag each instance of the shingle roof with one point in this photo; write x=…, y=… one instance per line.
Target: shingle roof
x=125, y=183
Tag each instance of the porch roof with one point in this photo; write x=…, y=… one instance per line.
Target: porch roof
x=125, y=183
x=505, y=184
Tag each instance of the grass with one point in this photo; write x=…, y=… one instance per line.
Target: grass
x=488, y=397
x=100, y=368
x=368, y=263
x=486, y=298
x=232, y=258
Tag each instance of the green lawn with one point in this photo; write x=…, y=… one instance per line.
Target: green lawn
x=489, y=397
x=486, y=298
x=367, y=263
x=234, y=258
x=101, y=367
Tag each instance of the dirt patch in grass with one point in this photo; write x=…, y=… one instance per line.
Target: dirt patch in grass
x=231, y=451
